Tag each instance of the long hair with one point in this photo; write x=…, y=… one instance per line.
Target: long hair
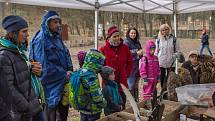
x=161, y=28
x=137, y=33
x=12, y=36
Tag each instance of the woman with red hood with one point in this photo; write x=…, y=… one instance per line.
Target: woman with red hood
x=117, y=56
x=149, y=70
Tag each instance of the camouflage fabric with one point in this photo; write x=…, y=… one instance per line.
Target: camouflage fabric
x=176, y=80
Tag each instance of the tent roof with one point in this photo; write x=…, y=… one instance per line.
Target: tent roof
x=137, y=6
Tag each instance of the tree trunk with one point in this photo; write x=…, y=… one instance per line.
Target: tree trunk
x=144, y=24
x=212, y=24
x=150, y=25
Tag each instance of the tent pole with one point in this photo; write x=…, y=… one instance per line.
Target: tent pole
x=175, y=17
x=175, y=30
x=96, y=23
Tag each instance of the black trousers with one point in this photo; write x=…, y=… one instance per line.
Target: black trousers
x=6, y=118
x=58, y=113
x=164, y=75
x=123, y=99
x=87, y=117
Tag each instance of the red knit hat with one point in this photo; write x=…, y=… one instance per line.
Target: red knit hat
x=112, y=30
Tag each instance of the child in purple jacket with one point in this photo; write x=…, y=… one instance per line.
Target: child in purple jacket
x=149, y=70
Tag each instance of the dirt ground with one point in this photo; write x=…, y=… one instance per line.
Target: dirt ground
x=186, y=45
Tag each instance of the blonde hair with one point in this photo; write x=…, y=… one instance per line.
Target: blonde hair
x=161, y=28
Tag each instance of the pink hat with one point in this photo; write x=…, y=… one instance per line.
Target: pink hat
x=112, y=30
x=81, y=56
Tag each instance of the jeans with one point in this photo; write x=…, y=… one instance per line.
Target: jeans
x=205, y=46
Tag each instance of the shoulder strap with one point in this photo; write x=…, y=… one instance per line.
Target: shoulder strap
x=158, y=43
x=146, y=60
x=174, y=43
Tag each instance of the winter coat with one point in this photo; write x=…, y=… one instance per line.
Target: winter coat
x=113, y=97
x=149, y=65
x=5, y=97
x=93, y=62
x=194, y=74
x=24, y=100
x=134, y=46
x=48, y=49
x=204, y=39
x=165, y=51
x=120, y=59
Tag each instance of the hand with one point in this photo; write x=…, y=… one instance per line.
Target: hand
x=36, y=68
x=75, y=69
x=140, y=52
x=68, y=74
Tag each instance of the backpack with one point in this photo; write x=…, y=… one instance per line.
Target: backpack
x=174, y=42
x=77, y=96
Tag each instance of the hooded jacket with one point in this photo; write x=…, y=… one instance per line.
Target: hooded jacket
x=93, y=63
x=120, y=59
x=149, y=65
x=47, y=48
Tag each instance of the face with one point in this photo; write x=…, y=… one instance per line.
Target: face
x=194, y=59
x=165, y=31
x=22, y=35
x=152, y=50
x=132, y=34
x=112, y=76
x=115, y=39
x=203, y=31
x=54, y=25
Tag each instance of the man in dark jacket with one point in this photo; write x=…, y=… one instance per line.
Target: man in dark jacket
x=16, y=68
x=205, y=42
x=47, y=48
x=192, y=65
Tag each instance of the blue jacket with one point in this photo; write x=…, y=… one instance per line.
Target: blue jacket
x=48, y=49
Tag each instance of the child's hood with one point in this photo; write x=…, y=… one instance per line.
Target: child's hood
x=149, y=44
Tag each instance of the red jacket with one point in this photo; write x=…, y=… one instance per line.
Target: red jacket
x=120, y=59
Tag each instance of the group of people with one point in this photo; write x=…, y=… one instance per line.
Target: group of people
x=32, y=82
x=29, y=80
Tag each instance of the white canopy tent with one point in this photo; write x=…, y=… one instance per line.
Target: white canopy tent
x=137, y=6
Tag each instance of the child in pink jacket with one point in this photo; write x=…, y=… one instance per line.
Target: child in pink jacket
x=149, y=70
